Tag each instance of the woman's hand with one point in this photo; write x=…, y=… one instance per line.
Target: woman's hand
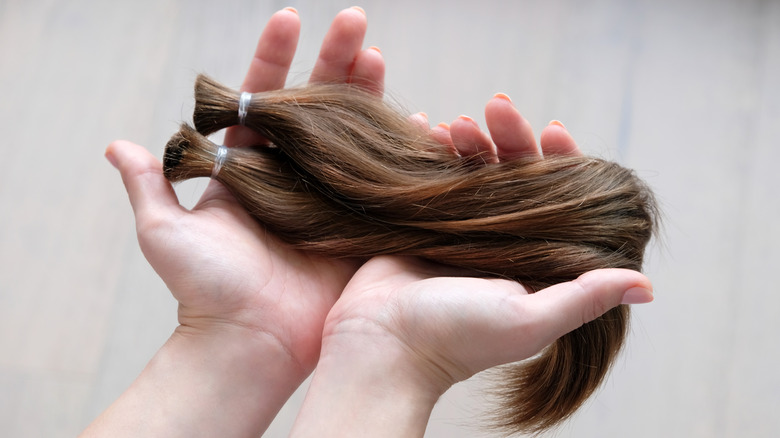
x=222, y=266
x=404, y=330
x=251, y=309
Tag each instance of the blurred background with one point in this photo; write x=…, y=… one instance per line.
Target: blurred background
x=686, y=92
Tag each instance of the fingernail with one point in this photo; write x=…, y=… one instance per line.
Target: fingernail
x=557, y=123
x=466, y=118
x=111, y=159
x=503, y=96
x=359, y=9
x=375, y=48
x=420, y=118
x=443, y=125
x=637, y=295
x=291, y=9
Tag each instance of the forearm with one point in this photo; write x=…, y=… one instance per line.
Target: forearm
x=365, y=390
x=223, y=384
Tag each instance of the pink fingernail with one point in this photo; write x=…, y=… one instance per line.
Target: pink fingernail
x=557, y=123
x=466, y=118
x=637, y=295
x=111, y=159
x=291, y=9
x=503, y=96
x=359, y=9
x=375, y=48
x=443, y=125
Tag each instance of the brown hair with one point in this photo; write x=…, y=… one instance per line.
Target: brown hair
x=348, y=176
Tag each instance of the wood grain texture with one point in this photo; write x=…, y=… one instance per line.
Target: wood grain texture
x=684, y=91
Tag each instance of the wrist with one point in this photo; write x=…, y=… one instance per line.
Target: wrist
x=367, y=388
x=226, y=382
x=234, y=357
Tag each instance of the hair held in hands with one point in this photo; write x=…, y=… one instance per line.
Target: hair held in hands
x=349, y=176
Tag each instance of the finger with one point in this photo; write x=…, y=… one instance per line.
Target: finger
x=556, y=140
x=441, y=134
x=509, y=130
x=269, y=67
x=274, y=53
x=559, y=309
x=420, y=120
x=470, y=141
x=340, y=47
x=369, y=71
x=150, y=193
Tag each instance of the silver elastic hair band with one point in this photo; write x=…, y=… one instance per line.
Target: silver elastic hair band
x=219, y=160
x=243, y=104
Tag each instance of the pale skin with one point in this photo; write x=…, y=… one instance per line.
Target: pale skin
x=254, y=313
x=404, y=331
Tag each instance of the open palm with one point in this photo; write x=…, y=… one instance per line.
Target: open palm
x=222, y=267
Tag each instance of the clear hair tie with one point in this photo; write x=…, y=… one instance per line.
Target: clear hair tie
x=243, y=104
x=219, y=160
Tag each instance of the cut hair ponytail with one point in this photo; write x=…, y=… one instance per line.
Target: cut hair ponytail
x=348, y=176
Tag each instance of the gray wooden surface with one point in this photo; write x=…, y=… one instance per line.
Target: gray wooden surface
x=687, y=92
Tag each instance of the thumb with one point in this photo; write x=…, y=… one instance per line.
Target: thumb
x=567, y=306
x=149, y=191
